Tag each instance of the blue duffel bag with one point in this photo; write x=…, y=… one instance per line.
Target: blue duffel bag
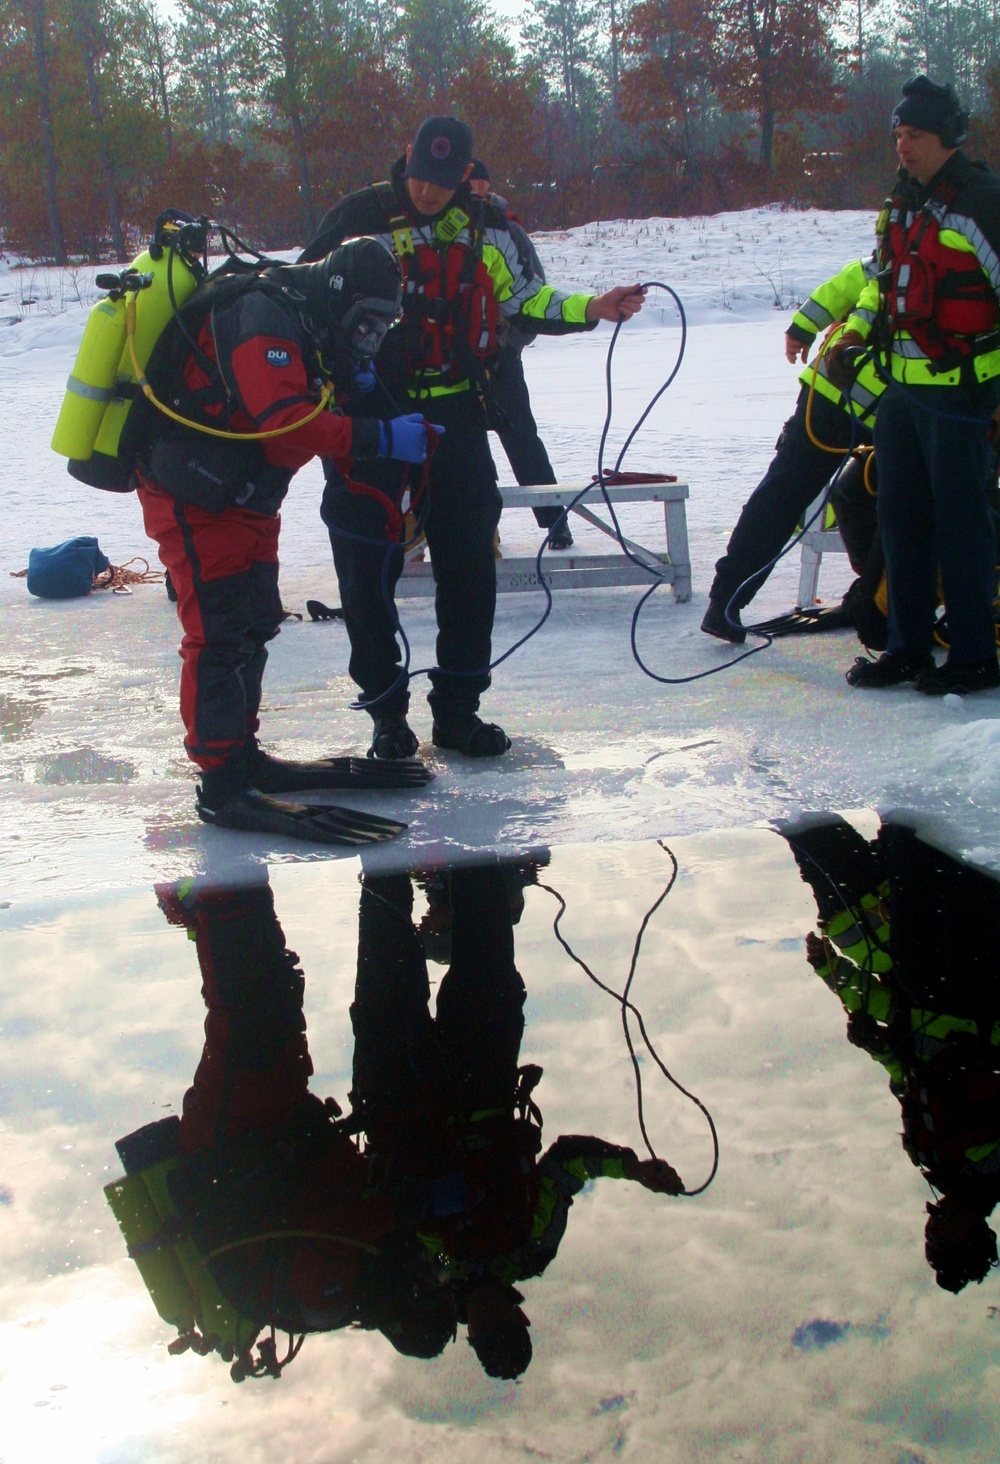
x=67, y=570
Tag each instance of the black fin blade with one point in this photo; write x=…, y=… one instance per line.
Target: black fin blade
x=253, y=812
x=806, y=622
x=274, y=775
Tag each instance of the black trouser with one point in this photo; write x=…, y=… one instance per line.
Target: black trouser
x=798, y=472
x=462, y=512
x=934, y=476
x=857, y=516
x=518, y=432
x=406, y=1063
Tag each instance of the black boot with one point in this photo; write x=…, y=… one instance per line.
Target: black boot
x=960, y=680
x=891, y=669
x=715, y=623
x=220, y=784
x=560, y=536
x=392, y=737
x=466, y=732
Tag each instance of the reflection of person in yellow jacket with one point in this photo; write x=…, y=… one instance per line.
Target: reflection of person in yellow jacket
x=907, y=941
x=800, y=468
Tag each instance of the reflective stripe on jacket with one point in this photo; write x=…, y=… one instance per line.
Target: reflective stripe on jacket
x=831, y=302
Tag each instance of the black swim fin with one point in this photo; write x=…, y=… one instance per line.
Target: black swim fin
x=806, y=622
x=256, y=813
x=318, y=611
x=276, y=775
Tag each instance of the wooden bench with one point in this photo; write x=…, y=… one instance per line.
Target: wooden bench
x=570, y=569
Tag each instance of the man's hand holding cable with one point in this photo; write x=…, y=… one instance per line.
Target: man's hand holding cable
x=840, y=371
x=405, y=438
x=621, y=303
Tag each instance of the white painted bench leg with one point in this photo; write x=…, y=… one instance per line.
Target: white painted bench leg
x=675, y=520
x=809, y=563
x=809, y=567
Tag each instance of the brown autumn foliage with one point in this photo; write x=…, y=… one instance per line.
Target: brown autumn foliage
x=721, y=104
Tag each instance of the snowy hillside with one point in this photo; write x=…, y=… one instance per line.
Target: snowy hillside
x=96, y=791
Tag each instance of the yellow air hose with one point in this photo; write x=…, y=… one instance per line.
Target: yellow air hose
x=348, y=1240
x=325, y=392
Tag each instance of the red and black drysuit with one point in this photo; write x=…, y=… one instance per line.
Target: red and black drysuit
x=463, y=503
x=271, y=1189
x=212, y=504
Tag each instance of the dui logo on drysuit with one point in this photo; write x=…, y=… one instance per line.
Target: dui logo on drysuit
x=277, y=356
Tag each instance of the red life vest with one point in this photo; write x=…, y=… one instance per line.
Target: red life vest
x=951, y=1105
x=940, y=295
x=451, y=317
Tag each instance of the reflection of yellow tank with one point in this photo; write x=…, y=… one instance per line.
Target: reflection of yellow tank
x=89, y=388
x=153, y=309
x=173, y=1269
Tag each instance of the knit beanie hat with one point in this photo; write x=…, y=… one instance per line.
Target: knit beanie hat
x=931, y=108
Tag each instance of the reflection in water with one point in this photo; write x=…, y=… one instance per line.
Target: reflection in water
x=908, y=941
x=263, y=1209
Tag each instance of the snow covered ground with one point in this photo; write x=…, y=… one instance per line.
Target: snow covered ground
x=95, y=792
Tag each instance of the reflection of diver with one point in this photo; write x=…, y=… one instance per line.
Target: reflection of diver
x=253, y=1209
x=444, y=1103
x=908, y=941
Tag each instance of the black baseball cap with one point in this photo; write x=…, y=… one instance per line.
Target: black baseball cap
x=442, y=150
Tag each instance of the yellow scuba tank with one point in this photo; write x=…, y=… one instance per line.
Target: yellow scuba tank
x=90, y=383
x=102, y=385
x=153, y=310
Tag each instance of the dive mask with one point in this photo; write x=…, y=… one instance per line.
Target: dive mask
x=366, y=325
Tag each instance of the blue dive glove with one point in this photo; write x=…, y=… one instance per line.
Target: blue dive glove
x=405, y=438
x=364, y=377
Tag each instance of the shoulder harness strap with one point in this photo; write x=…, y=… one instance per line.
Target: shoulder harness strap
x=399, y=224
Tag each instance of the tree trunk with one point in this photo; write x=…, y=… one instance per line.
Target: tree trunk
x=302, y=168
x=161, y=82
x=36, y=12
x=104, y=156
x=766, y=136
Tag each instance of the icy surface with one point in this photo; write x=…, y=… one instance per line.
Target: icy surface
x=95, y=788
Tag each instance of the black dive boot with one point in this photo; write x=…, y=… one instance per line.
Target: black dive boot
x=468, y=733
x=715, y=623
x=892, y=668
x=276, y=775
x=954, y=678
x=393, y=739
